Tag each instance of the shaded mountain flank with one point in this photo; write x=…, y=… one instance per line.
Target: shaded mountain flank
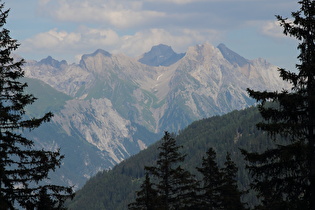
x=109, y=107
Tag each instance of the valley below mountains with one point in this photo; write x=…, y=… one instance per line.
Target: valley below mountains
x=111, y=106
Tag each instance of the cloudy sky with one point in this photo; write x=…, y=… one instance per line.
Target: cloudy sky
x=66, y=29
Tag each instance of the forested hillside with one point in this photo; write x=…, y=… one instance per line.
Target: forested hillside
x=116, y=188
x=111, y=106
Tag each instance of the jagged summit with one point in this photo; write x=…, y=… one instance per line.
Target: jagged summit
x=94, y=54
x=232, y=56
x=98, y=51
x=201, y=51
x=115, y=106
x=161, y=55
x=52, y=62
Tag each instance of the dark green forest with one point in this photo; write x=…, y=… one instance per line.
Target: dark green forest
x=264, y=154
x=116, y=188
x=276, y=164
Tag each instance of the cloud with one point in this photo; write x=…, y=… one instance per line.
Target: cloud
x=179, y=39
x=140, y=14
x=273, y=29
x=132, y=27
x=65, y=42
x=86, y=40
x=120, y=14
x=52, y=39
x=43, y=2
x=176, y=1
x=195, y=1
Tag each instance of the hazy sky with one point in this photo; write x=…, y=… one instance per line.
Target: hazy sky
x=66, y=29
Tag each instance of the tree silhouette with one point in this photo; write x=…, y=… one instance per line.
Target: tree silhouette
x=22, y=166
x=284, y=176
x=147, y=197
x=219, y=186
x=210, y=194
x=230, y=194
x=175, y=186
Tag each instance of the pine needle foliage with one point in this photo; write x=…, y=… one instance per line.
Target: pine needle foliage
x=230, y=194
x=147, y=196
x=219, y=188
x=22, y=166
x=176, y=186
x=209, y=193
x=284, y=176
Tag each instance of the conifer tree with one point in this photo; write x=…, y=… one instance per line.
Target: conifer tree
x=284, y=176
x=219, y=186
x=147, y=197
x=45, y=201
x=230, y=194
x=176, y=187
x=210, y=195
x=22, y=166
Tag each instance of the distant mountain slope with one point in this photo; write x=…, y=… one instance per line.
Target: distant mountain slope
x=82, y=160
x=116, y=188
x=161, y=55
x=49, y=61
x=118, y=106
x=232, y=57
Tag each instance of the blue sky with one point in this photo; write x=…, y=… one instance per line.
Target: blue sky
x=66, y=29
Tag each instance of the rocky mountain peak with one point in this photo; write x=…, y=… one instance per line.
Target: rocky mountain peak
x=202, y=52
x=116, y=105
x=161, y=48
x=161, y=55
x=98, y=51
x=49, y=61
x=232, y=56
x=99, y=54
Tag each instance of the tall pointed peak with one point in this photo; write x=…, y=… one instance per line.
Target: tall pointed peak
x=160, y=55
x=232, y=56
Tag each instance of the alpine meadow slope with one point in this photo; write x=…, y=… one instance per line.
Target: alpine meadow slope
x=110, y=106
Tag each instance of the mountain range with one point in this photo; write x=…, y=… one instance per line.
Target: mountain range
x=116, y=188
x=111, y=106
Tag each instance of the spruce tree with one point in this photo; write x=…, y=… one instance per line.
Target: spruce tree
x=219, y=188
x=284, y=176
x=209, y=193
x=176, y=187
x=45, y=201
x=147, y=196
x=230, y=194
x=22, y=166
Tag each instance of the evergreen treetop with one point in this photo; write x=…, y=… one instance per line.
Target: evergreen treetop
x=175, y=185
x=209, y=195
x=219, y=188
x=22, y=166
x=284, y=175
x=230, y=194
x=147, y=196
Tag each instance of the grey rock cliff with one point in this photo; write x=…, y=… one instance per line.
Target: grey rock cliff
x=119, y=105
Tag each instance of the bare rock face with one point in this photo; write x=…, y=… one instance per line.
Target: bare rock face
x=161, y=55
x=118, y=105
